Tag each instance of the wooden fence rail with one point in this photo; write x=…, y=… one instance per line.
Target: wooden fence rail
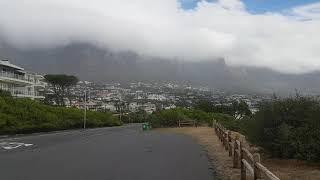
x=242, y=158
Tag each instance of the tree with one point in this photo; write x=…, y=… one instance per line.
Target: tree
x=205, y=106
x=288, y=127
x=240, y=109
x=61, y=84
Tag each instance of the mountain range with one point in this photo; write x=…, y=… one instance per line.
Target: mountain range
x=103, y=65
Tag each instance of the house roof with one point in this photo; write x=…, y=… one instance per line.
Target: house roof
x=8, y=64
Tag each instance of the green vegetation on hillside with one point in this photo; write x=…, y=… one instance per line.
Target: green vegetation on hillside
x=286, y=128
x=135, y=117
x=27, y=116
x=237, y=109
x=170, y=118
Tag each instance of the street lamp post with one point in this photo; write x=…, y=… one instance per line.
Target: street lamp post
x=120, y=113
x=118, y=104
x=85, y=108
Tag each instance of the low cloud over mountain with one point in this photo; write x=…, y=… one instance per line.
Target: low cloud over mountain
x=103, y=65
x=285, y=41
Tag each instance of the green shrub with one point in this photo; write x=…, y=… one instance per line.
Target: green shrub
x=170, y=118
x=287, y=128
x=227, y=121
x=28, y=116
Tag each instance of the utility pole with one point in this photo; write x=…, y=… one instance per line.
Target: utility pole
x=85, y=108
x=120, y=108
x=120, y=112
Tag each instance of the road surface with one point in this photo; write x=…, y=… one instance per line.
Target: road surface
x=116, y=153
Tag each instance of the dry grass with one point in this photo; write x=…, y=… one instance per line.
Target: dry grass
x=284, y=169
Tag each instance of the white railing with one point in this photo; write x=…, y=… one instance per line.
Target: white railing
x=23, y=93
x=14, y=76
x=17, y=92
x=40, y=83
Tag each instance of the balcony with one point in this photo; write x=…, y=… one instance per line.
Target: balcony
x=26, y=94
x=14, y=78
x=40, y=84
x=38, y=95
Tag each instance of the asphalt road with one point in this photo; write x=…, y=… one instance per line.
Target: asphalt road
x=117, y=153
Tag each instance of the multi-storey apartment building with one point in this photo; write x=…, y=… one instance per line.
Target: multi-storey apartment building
x=19, y=82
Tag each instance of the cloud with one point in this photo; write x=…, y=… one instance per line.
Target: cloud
x=285, y=41
x=310, y=12
x=231, y=4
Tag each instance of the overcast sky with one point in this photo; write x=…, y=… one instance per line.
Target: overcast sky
x=287, y=40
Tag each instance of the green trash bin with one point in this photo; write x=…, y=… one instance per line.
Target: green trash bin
x=144, y=126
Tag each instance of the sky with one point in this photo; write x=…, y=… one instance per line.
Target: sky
x=258, y=6
x=279, y=34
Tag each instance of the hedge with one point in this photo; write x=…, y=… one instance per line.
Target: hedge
x=28, y=116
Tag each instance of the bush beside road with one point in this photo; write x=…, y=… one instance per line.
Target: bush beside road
x=285, y=128
x=28, y=116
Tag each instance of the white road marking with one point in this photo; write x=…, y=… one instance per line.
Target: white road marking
x=13, y=145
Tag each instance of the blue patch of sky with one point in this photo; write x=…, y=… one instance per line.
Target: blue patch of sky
x=258, y=6
x=190, y=4
x=262, y=6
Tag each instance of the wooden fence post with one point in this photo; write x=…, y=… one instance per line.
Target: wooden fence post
x=242, y=158
x=257, y=174
x=226, y=141
x=235, y=154
x=230, y=143
x=221, y=135
x=217, y=130
x=242, y=167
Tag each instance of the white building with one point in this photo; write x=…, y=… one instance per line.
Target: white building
x=171, y=106
x=149, y=108
x=110, y=107
x=134, y=107
x=19, y=82
x=156, y=97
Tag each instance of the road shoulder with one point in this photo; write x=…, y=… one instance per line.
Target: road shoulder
x=217, y=155
x=283, y=168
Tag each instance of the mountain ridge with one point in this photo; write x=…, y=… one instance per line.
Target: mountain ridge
x=103, y=65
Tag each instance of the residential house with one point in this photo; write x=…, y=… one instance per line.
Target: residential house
x=20, y=83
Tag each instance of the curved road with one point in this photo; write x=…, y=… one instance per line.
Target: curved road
x=117, y=153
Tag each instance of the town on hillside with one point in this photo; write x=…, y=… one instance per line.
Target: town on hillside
x=117, y=97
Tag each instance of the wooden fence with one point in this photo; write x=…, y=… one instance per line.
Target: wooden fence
x=249, y=164
x=182, y=123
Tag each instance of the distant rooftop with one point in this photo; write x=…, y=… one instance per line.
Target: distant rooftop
x=8, y=64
